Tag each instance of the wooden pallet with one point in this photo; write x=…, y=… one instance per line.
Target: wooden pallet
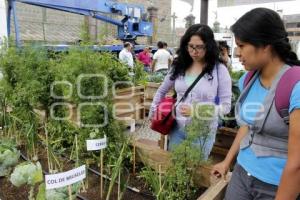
x=150, y=91
x=129, y=103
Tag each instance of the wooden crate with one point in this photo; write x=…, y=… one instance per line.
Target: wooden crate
x=129, y=103
x=224, y=140
x=150, y=91
x=151, y=155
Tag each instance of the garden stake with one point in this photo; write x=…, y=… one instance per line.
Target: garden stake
x=47, y=149
x=119, y=184
x=87, y=180
x=134, y=149
x=76, y=149
x=101, y=172
x=70, y=192
x=159, y=172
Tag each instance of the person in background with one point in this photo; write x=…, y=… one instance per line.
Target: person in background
x=268, y=147
x=144, y=57
x=198, y=52
x=150, y=52
x=125, y=56
x=162, y=59
x=224, y=54
x=166, y=48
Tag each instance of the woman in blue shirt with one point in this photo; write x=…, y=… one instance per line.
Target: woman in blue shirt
x=268, y=162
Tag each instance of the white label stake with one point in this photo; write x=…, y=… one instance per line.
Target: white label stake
x=98, y=144
x=66, y=178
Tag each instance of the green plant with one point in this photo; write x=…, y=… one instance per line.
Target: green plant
x=63, y=193
x=156, y=77
x=85, y=36
x=117, y=168
x=229, y=119
x=140, y=76
x=27, y=79
x=177, y=182
x=83, y=61
x=236, y=75
x=27, y=173
x=9, y=156
x=152, y=179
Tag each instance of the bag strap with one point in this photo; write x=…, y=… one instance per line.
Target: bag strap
x=191, y=87
x=185, y=95
x=249, y=77
x=284, y=90
x=217, y=98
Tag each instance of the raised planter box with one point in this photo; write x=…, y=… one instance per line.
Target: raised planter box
x=129, y=103
x=151, y=155
x=150, y=90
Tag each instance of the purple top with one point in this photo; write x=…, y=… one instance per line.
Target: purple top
x=204, y=92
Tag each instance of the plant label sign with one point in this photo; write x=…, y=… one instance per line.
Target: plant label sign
x=66, y=178
x=98, y=144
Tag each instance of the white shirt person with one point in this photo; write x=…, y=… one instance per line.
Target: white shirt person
x=125, y=56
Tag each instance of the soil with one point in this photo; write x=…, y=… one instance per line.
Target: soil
x=93, y=192
x=10, y=192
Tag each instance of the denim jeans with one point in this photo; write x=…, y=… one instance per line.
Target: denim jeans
x=244, y=186
x=177, y=135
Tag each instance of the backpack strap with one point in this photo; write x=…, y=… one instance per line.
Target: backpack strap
x=217, y=97
x=248, y=77
x=284, y=91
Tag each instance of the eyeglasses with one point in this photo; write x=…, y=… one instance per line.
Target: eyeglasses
x=197, y=48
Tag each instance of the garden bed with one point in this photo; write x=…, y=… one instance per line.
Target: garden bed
x=78, y=80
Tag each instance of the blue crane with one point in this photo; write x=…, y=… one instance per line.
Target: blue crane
x=131, y=26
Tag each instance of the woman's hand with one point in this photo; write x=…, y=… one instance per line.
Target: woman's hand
x=185, y=110
x=220, y=169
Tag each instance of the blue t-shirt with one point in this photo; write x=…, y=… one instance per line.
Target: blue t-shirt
x=189, y=79
x=267, y=169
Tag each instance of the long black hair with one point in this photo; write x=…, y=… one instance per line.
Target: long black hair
x=261, y=27
x=183, y=61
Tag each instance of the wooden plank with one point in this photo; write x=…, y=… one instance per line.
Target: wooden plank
x=130, y=89
x=216, y=191
x=220, y=150
x=151, y=155
x=129, y=103
x=136, y=113
x=153, y=85
x=227, y=131
x=129, y=96
x=224, y=141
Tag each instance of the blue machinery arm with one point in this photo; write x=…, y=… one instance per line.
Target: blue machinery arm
x=131, y=26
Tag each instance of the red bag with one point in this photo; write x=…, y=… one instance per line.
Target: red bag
x=164, y=118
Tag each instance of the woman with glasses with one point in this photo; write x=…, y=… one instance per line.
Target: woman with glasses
x=268, y=140
x=198, y=52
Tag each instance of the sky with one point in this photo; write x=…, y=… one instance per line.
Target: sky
x=228, y=15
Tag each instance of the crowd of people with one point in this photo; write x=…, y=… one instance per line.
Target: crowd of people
x=161, y=60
